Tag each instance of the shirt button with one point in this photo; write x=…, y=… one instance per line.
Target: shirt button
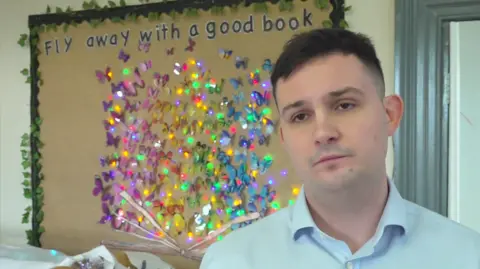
x=349, y=265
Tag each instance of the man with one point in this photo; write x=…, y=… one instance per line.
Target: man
x=335, y=121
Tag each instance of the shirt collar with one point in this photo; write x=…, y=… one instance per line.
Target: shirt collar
x=394, y=213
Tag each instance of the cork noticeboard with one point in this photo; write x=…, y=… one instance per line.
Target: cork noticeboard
x=176, y=113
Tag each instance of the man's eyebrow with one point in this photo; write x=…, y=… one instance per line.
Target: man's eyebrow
x=343, y=91
x=293, y=105
x=335, y=94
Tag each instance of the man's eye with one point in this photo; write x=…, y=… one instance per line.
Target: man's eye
x=345, y=106
x=299, y=117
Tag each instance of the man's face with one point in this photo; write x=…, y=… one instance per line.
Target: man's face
x=333, y=123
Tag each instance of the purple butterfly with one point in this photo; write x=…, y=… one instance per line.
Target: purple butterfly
x=107, y=216
x=104, y=76
x=112, y=141
x=152, y=92
x=143, y=46
x=191, y=45
x=123, y=56
x=129, y=88
x=117, y=117
x=107, y=105
x=145, y=65
x=160, y=80
x=100, y=189
x=107, y=176
x=117, y=89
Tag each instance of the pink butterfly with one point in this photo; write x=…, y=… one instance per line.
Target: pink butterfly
x=145, y=65
x=143, y=46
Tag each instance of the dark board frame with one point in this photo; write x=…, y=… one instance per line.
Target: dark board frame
x=337, y=17
x=422, y=75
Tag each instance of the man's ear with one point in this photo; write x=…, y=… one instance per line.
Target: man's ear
x=393, y=105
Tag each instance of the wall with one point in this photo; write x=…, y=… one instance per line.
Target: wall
x=464, y=124
x=372, y=17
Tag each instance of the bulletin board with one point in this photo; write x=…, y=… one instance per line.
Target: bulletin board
x=158, y=122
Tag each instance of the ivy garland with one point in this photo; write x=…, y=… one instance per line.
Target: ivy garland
x=31, y=144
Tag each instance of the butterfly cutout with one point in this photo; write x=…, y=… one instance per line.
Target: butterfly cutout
x=160, y=80
x=107, y=105
x=239, y=98
x=225, y=138
x=179, y=68
x=152, y=92
x=232, y=113
x=104, y=76
x=240, y=156
x=145, y=65
x=225, y=54
x=100, y=189
x=244, y=142
x=217, y=88
x=262, y=166
x=123, y=56
x=222, y=157
x=112, y=140
x=254, y=78
x=163, y=155
x=236, y=83
x=143, y=46
x=118, y=222
x=108, y=176
x=241, y=62
x=260, y=99
x=267, y=65
x=238, y=178
x=191, y=45
x=170, y=51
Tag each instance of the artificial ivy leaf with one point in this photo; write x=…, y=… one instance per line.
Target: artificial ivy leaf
x=260, y=7
x=49, y=9
x=24, y=72
x=322, y=4
x=172, y=14
x=65, y=27
x=111, y=4
x=27, y=193
x=39, y=216
x=29, y=80
x=347, y=8
x=123, y=3
x=116, y=19
x=285, y=5
x=26, y=183
x=58, y=10
x=85, y=5
x=38, y=121
x=29, y=236
x=27, y=175
x=69, y=10
x=22, y=41
x=26, y=217
x=327, y=24
x=344, y=24
x=41, y=229
x=191, y=12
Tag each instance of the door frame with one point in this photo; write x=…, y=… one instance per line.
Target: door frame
x=422, y=78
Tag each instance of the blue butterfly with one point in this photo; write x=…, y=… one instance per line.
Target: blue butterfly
x=236, y=83
x=222, y=157
x=238, y=178
x=252, y=114
x=225, y=138
x=241, y=62
x=266, y=196
x=262, y=166
x=244, y=142
x=240, y=156
x=232, y=113
x=260, y=99
x=238, y=98
x=267, y=65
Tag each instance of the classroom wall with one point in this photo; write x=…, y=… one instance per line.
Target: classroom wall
x=372, y=17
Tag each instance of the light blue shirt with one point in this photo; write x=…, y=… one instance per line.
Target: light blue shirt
x=408, y=237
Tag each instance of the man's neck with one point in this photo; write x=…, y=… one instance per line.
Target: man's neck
x=350, y=217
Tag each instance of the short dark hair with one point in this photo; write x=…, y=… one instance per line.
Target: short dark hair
x=306, y=46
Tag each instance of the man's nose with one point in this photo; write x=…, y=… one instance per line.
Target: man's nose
x=325, y=131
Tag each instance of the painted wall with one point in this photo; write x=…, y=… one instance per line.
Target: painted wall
x=464, y=124
x=372, y=17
